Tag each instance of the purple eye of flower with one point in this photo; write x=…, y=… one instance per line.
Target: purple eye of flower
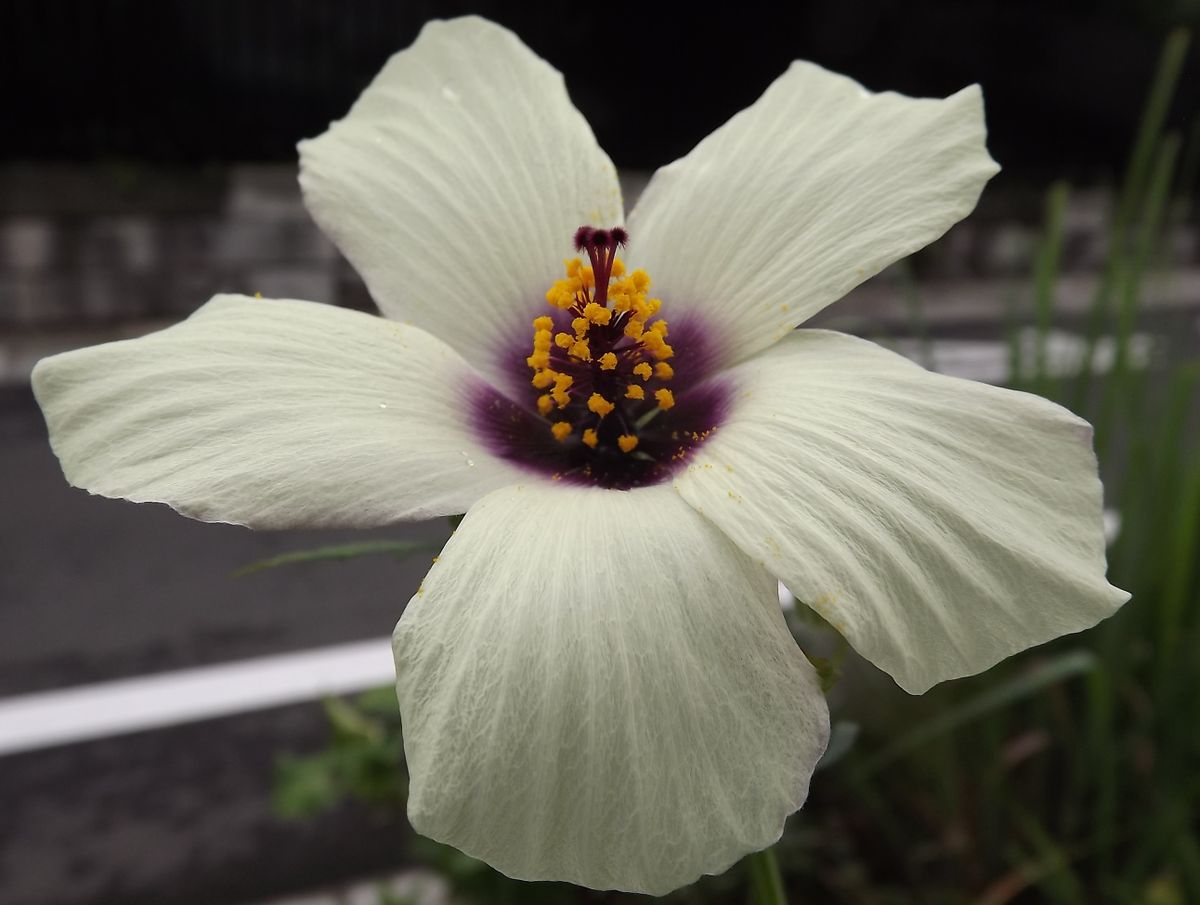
x=606, y=407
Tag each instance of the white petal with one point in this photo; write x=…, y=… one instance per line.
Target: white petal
x=939, y=524
x=272, y=414
x=596, y=686
x=457, y=181
x=802, y=196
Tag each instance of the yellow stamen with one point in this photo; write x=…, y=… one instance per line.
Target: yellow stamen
x=633, y=391
x=581, y=350
x=545, y=322
x=627, y=442
x=590, y=438
x=580, y=326
x=597, y=314
x=561, y=430
x=599, y=405
x=663, y=371
x=666, y=399
x=544, y=404
x=608, y=361
x=543, y=379
x=563, y=340
x=643, y=370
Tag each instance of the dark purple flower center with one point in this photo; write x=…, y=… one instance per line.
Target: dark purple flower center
x=610, y=401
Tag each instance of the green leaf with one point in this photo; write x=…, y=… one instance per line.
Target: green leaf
x=1048, y=673
x=396, y=548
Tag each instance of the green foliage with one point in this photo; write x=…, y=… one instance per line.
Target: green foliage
x=361, y=761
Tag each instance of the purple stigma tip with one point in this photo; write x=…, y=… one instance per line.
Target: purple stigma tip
x=600, y=238
x=619, y=236
x=583, y=236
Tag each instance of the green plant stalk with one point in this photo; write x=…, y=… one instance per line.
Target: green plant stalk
x=765, y=879
x=1049, y=262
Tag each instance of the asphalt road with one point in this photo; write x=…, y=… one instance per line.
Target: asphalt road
x=94, y=589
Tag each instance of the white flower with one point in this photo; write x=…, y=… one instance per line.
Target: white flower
x=596, y=682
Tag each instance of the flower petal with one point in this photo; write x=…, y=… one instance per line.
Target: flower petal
x=272, y=414
x=802, y=196
x=939, y=524
x=596, y=686
x=457, y=181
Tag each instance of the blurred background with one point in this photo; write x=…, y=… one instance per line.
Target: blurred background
x=178, y=728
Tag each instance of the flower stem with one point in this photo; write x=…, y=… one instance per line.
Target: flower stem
x=765, y=879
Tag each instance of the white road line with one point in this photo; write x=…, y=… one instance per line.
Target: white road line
x=43, y=719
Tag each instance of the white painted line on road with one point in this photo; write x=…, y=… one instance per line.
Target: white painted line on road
x=62, y=717
x=48, y=718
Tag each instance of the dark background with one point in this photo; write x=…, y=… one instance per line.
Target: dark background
x=195, y=81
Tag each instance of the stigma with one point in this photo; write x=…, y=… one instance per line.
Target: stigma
x=600, y=359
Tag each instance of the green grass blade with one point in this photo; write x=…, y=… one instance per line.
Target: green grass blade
x=1154, y=113
x=1052, y=671
x=397, y=548
x=1046, y=272
x=1132, y=271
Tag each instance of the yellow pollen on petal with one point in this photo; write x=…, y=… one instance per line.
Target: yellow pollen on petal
x=643, y=370
x=590, y=438
x=633, y=391
x=561, y=430
x=608, y=361
x=663, y=371
x=666, y=399
x=598, y=404
x=545, y=322
x=545, y=404
x=563, y=340
x=627, y=442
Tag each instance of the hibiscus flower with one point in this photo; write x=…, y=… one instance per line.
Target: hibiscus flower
x=596, y=682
